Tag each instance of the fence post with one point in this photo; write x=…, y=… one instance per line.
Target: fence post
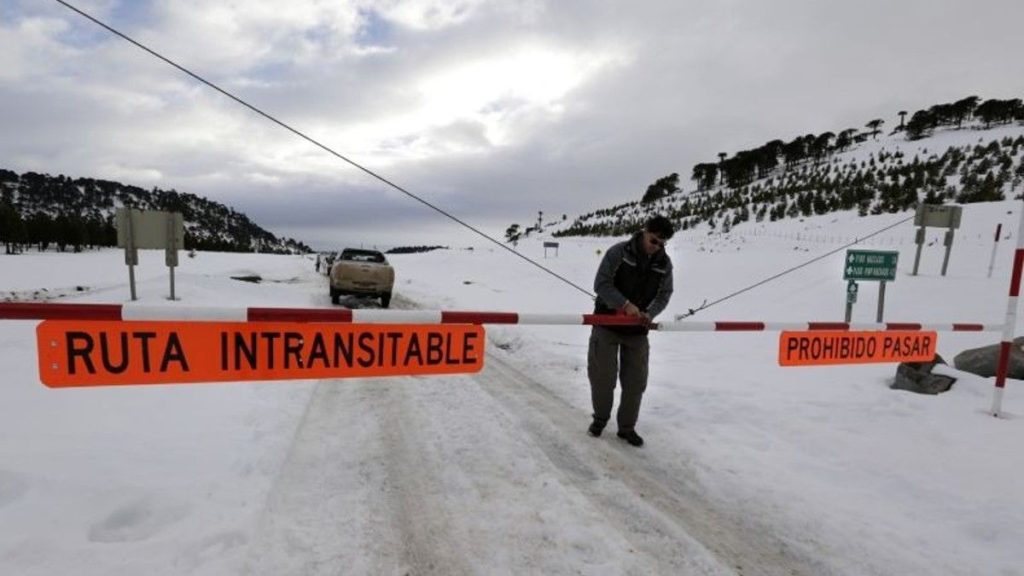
x=995, y=245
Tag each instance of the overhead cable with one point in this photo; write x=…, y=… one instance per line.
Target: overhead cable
x=318, y=144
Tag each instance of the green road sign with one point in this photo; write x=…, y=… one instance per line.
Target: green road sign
x=870, y=265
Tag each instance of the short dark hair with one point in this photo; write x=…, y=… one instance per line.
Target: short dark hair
x=661, y=226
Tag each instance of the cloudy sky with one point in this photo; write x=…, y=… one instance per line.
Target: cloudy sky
x=491, y=110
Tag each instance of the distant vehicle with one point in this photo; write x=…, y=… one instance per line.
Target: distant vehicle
x=358, y=272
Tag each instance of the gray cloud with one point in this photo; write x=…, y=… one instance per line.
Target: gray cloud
x=662, y=86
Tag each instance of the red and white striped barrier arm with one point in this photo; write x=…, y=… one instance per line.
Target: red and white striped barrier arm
x=737, y=326
x=53, y=311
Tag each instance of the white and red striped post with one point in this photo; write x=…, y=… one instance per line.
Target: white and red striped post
x=1010, y=325
x=995, y=246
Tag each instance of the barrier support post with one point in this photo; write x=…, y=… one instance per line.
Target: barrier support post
x=1009, y=327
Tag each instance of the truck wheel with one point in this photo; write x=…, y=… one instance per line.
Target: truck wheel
x=385, y=300
x=334, y=297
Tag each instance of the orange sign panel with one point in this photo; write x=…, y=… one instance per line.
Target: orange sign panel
x=99, y=353
x=815, y=348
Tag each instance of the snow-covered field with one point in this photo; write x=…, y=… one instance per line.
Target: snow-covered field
x=749, y=468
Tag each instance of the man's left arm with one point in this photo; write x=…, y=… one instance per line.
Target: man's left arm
x=664, y=294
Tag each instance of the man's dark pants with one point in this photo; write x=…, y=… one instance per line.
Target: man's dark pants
x=616, y=356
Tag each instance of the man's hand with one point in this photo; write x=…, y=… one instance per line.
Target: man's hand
x=631, y=310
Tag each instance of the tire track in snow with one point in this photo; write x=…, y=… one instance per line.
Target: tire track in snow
x=655, y=506
x=416, y=492
x=356, y=497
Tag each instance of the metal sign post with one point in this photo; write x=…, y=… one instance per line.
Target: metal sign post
x=919, y=240
x=873, y=265
x=851, y=298
x=131, y=254
x=171, y=256
x=881, y=301
x=947, y=241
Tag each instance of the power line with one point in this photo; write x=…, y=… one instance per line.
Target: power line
x=318, y=144
x=856, y=241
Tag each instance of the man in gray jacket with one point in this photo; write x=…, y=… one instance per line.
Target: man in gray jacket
x=634, y=279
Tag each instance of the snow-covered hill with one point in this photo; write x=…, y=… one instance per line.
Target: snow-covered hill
x=880, y=174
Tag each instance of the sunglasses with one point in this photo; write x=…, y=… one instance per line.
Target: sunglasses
x=655, y=240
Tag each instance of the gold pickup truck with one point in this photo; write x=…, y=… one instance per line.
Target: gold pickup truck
x=358, y=272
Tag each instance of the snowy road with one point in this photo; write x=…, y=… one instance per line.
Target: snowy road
x=490, y=474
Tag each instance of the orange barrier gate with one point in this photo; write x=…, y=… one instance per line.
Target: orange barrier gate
x=118, y=344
